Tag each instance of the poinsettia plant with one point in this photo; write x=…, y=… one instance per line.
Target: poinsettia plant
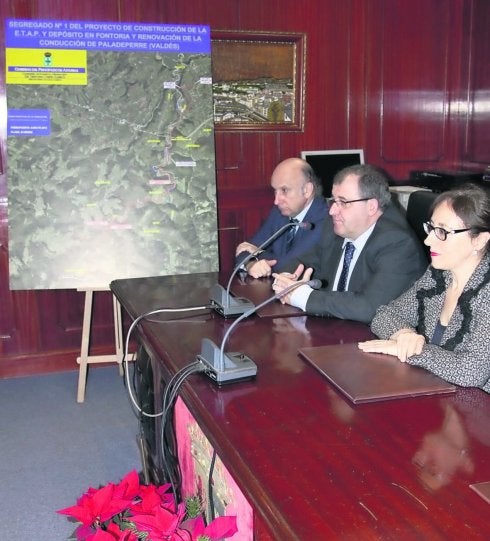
x=130, y=511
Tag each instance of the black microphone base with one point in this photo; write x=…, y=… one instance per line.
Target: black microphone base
x=234, y=367
x=226, y=304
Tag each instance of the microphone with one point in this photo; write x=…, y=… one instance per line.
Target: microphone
x=226, y=304
x=226, y=368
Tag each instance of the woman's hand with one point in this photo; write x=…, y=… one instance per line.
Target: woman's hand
x=402, y=344
x=408, y=344
x=387, y=347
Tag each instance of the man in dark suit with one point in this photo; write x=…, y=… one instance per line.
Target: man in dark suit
x=296, y=196
x=367, y=256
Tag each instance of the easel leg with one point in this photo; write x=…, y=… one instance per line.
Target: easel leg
x=83, y=359
x=118, y=334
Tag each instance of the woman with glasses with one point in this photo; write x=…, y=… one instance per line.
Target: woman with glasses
x=442, y=322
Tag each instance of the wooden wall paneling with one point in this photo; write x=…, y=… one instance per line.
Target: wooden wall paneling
x=457, y=86
x=6, y=304
x=42, y=329
x=274, y=15
x=328, y=95
x=245, y=159
x=477, y=144
x=217, y=14
x=400, y=79
x=26, y=322
x=68, y=9
x=410, y=80
x=61, y=318
x=356, y=87
x=413, y=79
x=61, y=314
x=6, y=307
x=229, y=238
x=229, y=158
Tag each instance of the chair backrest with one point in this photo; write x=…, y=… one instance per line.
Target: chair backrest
x=418, y=207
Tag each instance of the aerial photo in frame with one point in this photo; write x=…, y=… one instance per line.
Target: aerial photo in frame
x=257, y=80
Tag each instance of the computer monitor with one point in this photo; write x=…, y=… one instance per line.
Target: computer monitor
x=326, y=163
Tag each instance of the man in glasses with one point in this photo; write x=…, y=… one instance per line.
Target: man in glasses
x=297, y=201
x=366, y=257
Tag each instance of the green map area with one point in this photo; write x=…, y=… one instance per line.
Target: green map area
x=124, y=186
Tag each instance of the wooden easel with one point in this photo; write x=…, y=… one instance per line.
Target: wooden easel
x=85, y=359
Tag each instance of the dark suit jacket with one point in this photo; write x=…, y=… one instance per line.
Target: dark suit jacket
x=390, y=262
x=304, y=240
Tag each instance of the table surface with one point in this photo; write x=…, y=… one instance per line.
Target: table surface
x=312, y=464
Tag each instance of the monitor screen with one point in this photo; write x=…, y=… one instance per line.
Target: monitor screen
x=326, y=163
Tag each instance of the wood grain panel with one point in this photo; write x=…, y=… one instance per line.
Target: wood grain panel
x=478, y=141
x=406, y=81
x=414, y=90
x=6, y=304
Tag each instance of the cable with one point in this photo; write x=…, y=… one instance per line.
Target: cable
x=212, y=510
x=126, y=351
x=168, y=441
x=169, y=457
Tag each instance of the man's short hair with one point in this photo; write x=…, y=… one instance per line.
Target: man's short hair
x=373, y=182
x=309, y=175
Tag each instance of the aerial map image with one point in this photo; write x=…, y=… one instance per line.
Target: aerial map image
x=253, y=82
x=114, y=178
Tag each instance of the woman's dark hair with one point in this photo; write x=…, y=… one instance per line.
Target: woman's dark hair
x=471, y=203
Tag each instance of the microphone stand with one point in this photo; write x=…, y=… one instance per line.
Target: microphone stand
x=230, y=306
x=226, y=368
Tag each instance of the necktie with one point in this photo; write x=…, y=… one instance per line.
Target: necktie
x=290, y=233
x=348, y=253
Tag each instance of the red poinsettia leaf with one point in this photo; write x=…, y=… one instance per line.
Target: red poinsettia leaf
x=195, y=525
x=220, y=528
x=82, y=514
x=100, y=535
x=161, y=522
x=82, y=532
x=126, y=535
x=129, y=486
x=97, y=507
x=150, y=499
x=165, y=492
x=105, y=505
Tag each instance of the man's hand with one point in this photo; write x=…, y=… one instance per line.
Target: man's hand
x=285, y=280
x=260, y=268
x=245, y=247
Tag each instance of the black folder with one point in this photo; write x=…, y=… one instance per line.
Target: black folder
x=370, y=377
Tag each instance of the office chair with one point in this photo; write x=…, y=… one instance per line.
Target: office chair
x=418, y=208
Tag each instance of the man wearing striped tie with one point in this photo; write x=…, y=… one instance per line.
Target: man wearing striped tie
x=367, y=256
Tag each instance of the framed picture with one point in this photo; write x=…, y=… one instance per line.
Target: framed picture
x=258, y=80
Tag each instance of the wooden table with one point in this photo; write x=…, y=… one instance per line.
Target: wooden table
x=312, y=465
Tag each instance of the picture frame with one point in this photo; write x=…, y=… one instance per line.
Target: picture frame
x=258, y=80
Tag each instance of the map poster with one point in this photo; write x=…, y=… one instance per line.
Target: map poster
x=110, y=150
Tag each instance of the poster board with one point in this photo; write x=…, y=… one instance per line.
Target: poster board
x=110, y=145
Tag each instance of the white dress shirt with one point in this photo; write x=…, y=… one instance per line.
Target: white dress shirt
x=300, y=296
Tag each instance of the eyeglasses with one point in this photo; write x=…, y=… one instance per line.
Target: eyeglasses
x=344, y=204
x=440, y=232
